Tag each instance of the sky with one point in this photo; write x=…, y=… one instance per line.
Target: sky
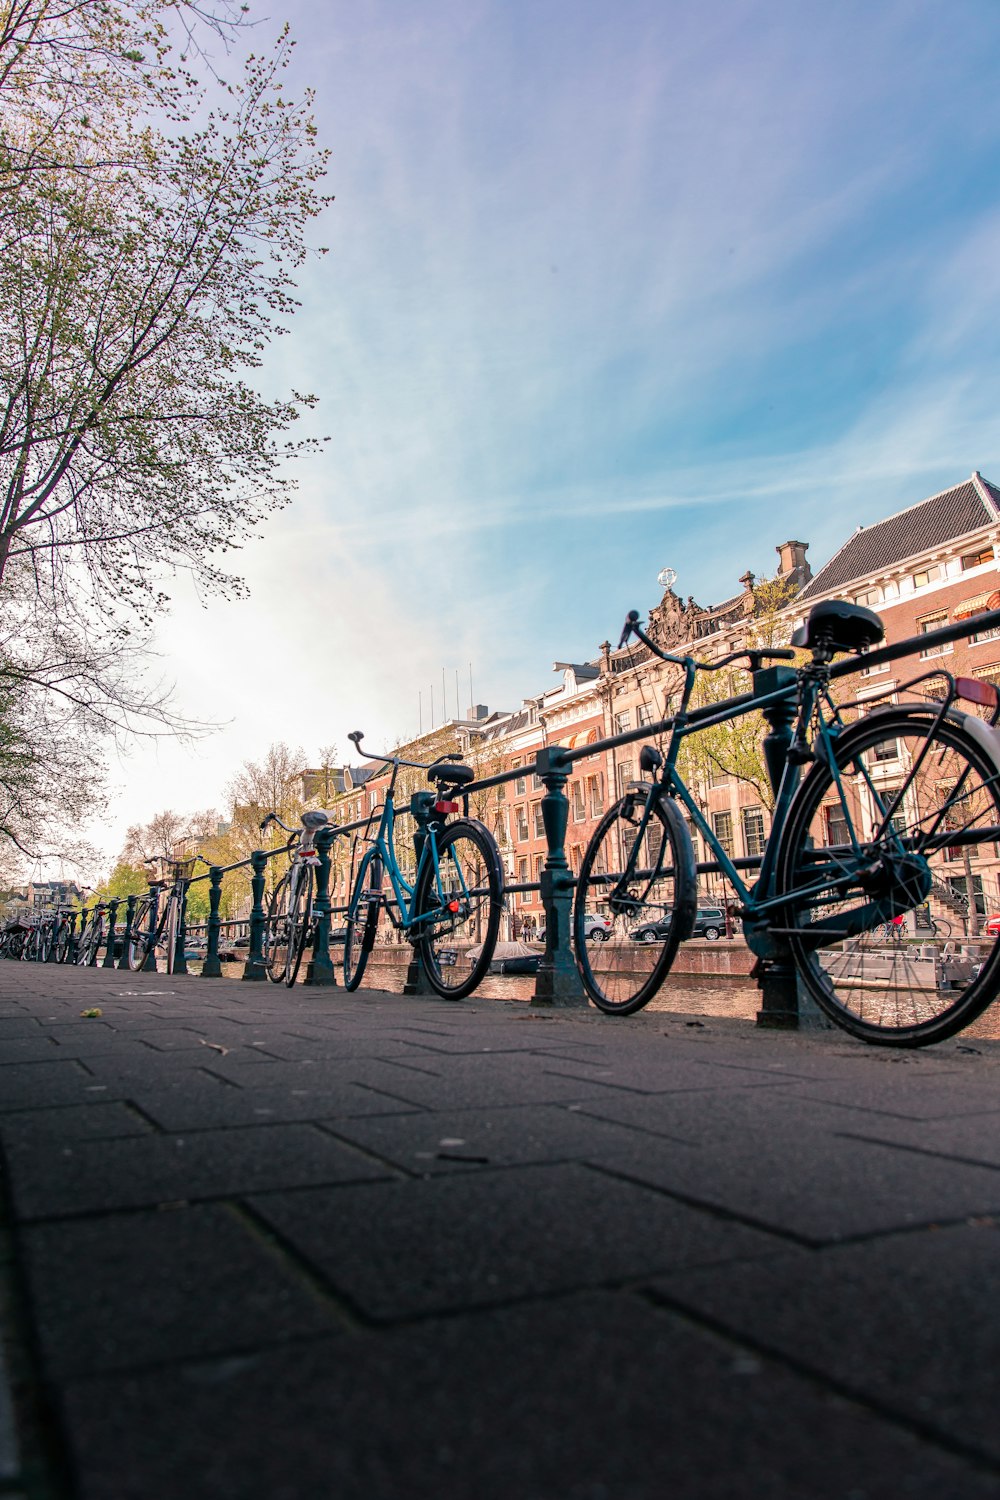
x=610, y=287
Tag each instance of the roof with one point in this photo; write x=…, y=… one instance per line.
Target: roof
x=931, y=523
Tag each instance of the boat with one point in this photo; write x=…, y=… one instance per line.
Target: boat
x=510, y=958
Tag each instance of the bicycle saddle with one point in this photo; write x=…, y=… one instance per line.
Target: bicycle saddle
x=838, y=625
x=451, y=773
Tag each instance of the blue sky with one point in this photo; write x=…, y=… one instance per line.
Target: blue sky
x=609, y=287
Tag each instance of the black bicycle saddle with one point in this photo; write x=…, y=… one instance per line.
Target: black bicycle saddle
x=838, y=625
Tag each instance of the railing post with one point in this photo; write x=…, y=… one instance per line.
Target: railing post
x=149, y=967
x=254, y=968
x=558, y=980
x=71, y=946
x=320, y=968
x=776, y=975
x=109, y=952
x=212, y=968
x=180, y=937
x=92, y=961
x=123, y=962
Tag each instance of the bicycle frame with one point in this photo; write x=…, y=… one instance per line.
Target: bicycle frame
x=814, y=708
x=383, y=845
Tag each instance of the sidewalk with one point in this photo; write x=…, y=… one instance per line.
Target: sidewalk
x=295, y=1245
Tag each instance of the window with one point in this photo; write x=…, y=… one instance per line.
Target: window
x=623, y=721
x=522, y=823
x=875, y=670
x=596, y=795
x=539, y=859
x=869, y=596
x=522, y=879
x=644, y=715
x=579, y=802
x=753, y=831
x=624, y=776
x=537, y=783
x=884, y=750
x=960, y=891
x=718, y=777
x=929, y=623
x=927, y=575
x=520, y=785
x=722, y=823
x=502, y=792
x=984, y=635
x=539, y=820
x=977, y=559
x=837, y=831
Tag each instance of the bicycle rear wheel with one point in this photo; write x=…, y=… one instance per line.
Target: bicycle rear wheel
x=845, y=878
x=299, y=920
x=456, y=908
x=649, y=913
x=277, y=930
x=141, y=942
x=61, y=943
x=362, y=918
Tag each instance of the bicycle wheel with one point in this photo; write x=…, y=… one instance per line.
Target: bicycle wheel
x=60, y=947
x=276, y=931
x=141, y=941
x=299, y=921
x=649, y=915
x=87, y=949
x=362, y=918
x=45, y=944
x=846, y=877
x=456, y=908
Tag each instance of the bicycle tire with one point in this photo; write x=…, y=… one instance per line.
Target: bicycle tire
x=60, y=946
x=623, y=974
x=276, y=930
x=141, y=941
x=168, y=933
x=362, y=918
x=900, y=999
x=300, y=919
x=456, y=907
x=90, y=942
x=45, y=944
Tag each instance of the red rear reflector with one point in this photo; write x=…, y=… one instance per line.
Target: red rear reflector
x=446, y=807
x=976, y=691
x=454, y=906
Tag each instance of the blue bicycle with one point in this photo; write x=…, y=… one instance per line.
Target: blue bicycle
x=449, y=903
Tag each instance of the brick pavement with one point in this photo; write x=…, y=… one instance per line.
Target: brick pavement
x=262, y=1245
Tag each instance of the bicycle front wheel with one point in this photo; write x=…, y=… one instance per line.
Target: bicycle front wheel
x=846, y=876
x=299, y=920
x=362, y=918
x=456, y=908
x=277, y=932
x=624, y=973
x=141, y=941
x=61, y=944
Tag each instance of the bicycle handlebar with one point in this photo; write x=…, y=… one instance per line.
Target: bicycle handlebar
x=357, y=736
x=755, y=655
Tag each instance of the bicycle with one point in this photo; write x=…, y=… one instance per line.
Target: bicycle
x=854, y=842
x=453, y=902
x=290, y=913
x=91, y=936
x=153, y=929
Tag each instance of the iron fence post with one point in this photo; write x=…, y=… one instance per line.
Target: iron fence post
x=180, y=937
x=149, y=967
x=254, y=968
x=776, y=976
x=123, y=962
x=212, y=968
x=320, y=970
x=71, y=946
x=558, y=980
x=109, y=952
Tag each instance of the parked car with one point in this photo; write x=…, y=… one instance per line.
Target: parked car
x=596, y=928
x=709, y=922
x=992, y=926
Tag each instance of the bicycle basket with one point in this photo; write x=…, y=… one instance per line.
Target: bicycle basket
x=183, y=869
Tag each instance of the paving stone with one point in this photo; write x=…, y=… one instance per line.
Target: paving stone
x=29, y=1084
x=587, y=1399
x=409, y=1247
x=71, y=1123
x=908, y=1321
x=465, y=1140
x=50, y=1179
x=128, y=1290
x=809, y=1184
